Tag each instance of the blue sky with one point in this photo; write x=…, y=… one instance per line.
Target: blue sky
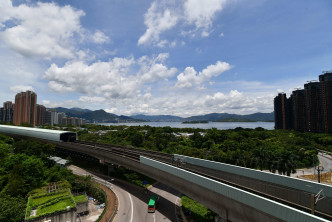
x=176, y=57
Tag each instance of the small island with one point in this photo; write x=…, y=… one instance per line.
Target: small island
x=194, y=122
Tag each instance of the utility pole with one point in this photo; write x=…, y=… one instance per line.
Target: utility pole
x=319, y=170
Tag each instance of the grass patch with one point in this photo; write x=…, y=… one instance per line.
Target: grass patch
x=324, y=177
x=50, y=202
x=56, y=207
x=80, y=198
x=42, y=200
x=196, y=211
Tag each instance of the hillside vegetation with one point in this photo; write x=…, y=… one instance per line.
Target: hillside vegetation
x=275, y=150
x=24, y=167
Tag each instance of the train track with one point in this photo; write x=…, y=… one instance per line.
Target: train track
x=135, y=153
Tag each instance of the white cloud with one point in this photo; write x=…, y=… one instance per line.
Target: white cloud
x=21, y=88
x=17, y=70
x=190, y=77
x=158, y=71
x=43, y=30
x=195, y=103
x=5, y=11
x=164, y=15
x=222, y=34
x=201, y=13
x=205, y=33
x=118, y=78
x=111, y=110
x=153, y=69
x=100, y=38
x=157, y=19
x=66, y=103
x=91, y=99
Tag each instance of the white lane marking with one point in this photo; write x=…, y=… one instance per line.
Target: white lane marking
x=117, y=210
x=132, y=208
x=176, y=201
x=154, y=218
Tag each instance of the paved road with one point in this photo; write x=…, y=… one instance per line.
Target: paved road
x=133, y=200
x=324, y=160
x=167, y=196
x=135, y=203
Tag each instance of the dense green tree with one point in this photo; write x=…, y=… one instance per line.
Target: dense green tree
x=12, y=209
x=32, y=147
x=256, y=148
x=5, y=151
x=137, y=139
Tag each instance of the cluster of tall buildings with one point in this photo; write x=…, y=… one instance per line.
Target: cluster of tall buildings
x=27, y=111
x=308, y=109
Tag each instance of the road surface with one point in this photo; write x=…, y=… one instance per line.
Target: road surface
x=325, y=161
x=133, y=200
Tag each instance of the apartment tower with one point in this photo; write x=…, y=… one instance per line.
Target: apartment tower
x=325, y=81
x=25, y=108
x=8, y=112
x=41, y=115
x=299, y=117
x=312, y=107
x=280, y=111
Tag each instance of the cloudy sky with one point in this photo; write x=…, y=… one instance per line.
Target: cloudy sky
x=176, y=57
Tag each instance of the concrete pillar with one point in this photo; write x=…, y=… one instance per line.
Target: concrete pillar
x=56, y=218
x=62, y=217
x=222, y=213
x=73, y=216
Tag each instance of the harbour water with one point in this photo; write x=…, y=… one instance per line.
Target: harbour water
x=209, y=125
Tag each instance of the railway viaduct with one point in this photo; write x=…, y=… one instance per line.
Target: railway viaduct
x=235, y=193
x=229, y=202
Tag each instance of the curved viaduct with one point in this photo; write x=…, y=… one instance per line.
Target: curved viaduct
x=231, y=204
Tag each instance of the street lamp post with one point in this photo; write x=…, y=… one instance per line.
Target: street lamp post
x=319, y=170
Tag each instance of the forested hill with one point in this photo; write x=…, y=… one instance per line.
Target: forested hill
x=102, y=116
x=223, y=116
x=94, y=116
x=209, y=117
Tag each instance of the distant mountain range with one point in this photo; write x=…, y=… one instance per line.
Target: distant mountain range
x=100, y=116
x=264, y=117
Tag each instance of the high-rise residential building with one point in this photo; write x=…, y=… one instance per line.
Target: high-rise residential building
x=64, y=121
x=54, y=117
x=325, y=81
x=312, y=107
x=1, y=115
x=41, y=115
x=8, y=112
x=25, y=108
x=299, y=120
x=280, y=111
x=60, y=117
x=51, y=117
x=308, y=110
x=48, y=117
x=290, y=113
